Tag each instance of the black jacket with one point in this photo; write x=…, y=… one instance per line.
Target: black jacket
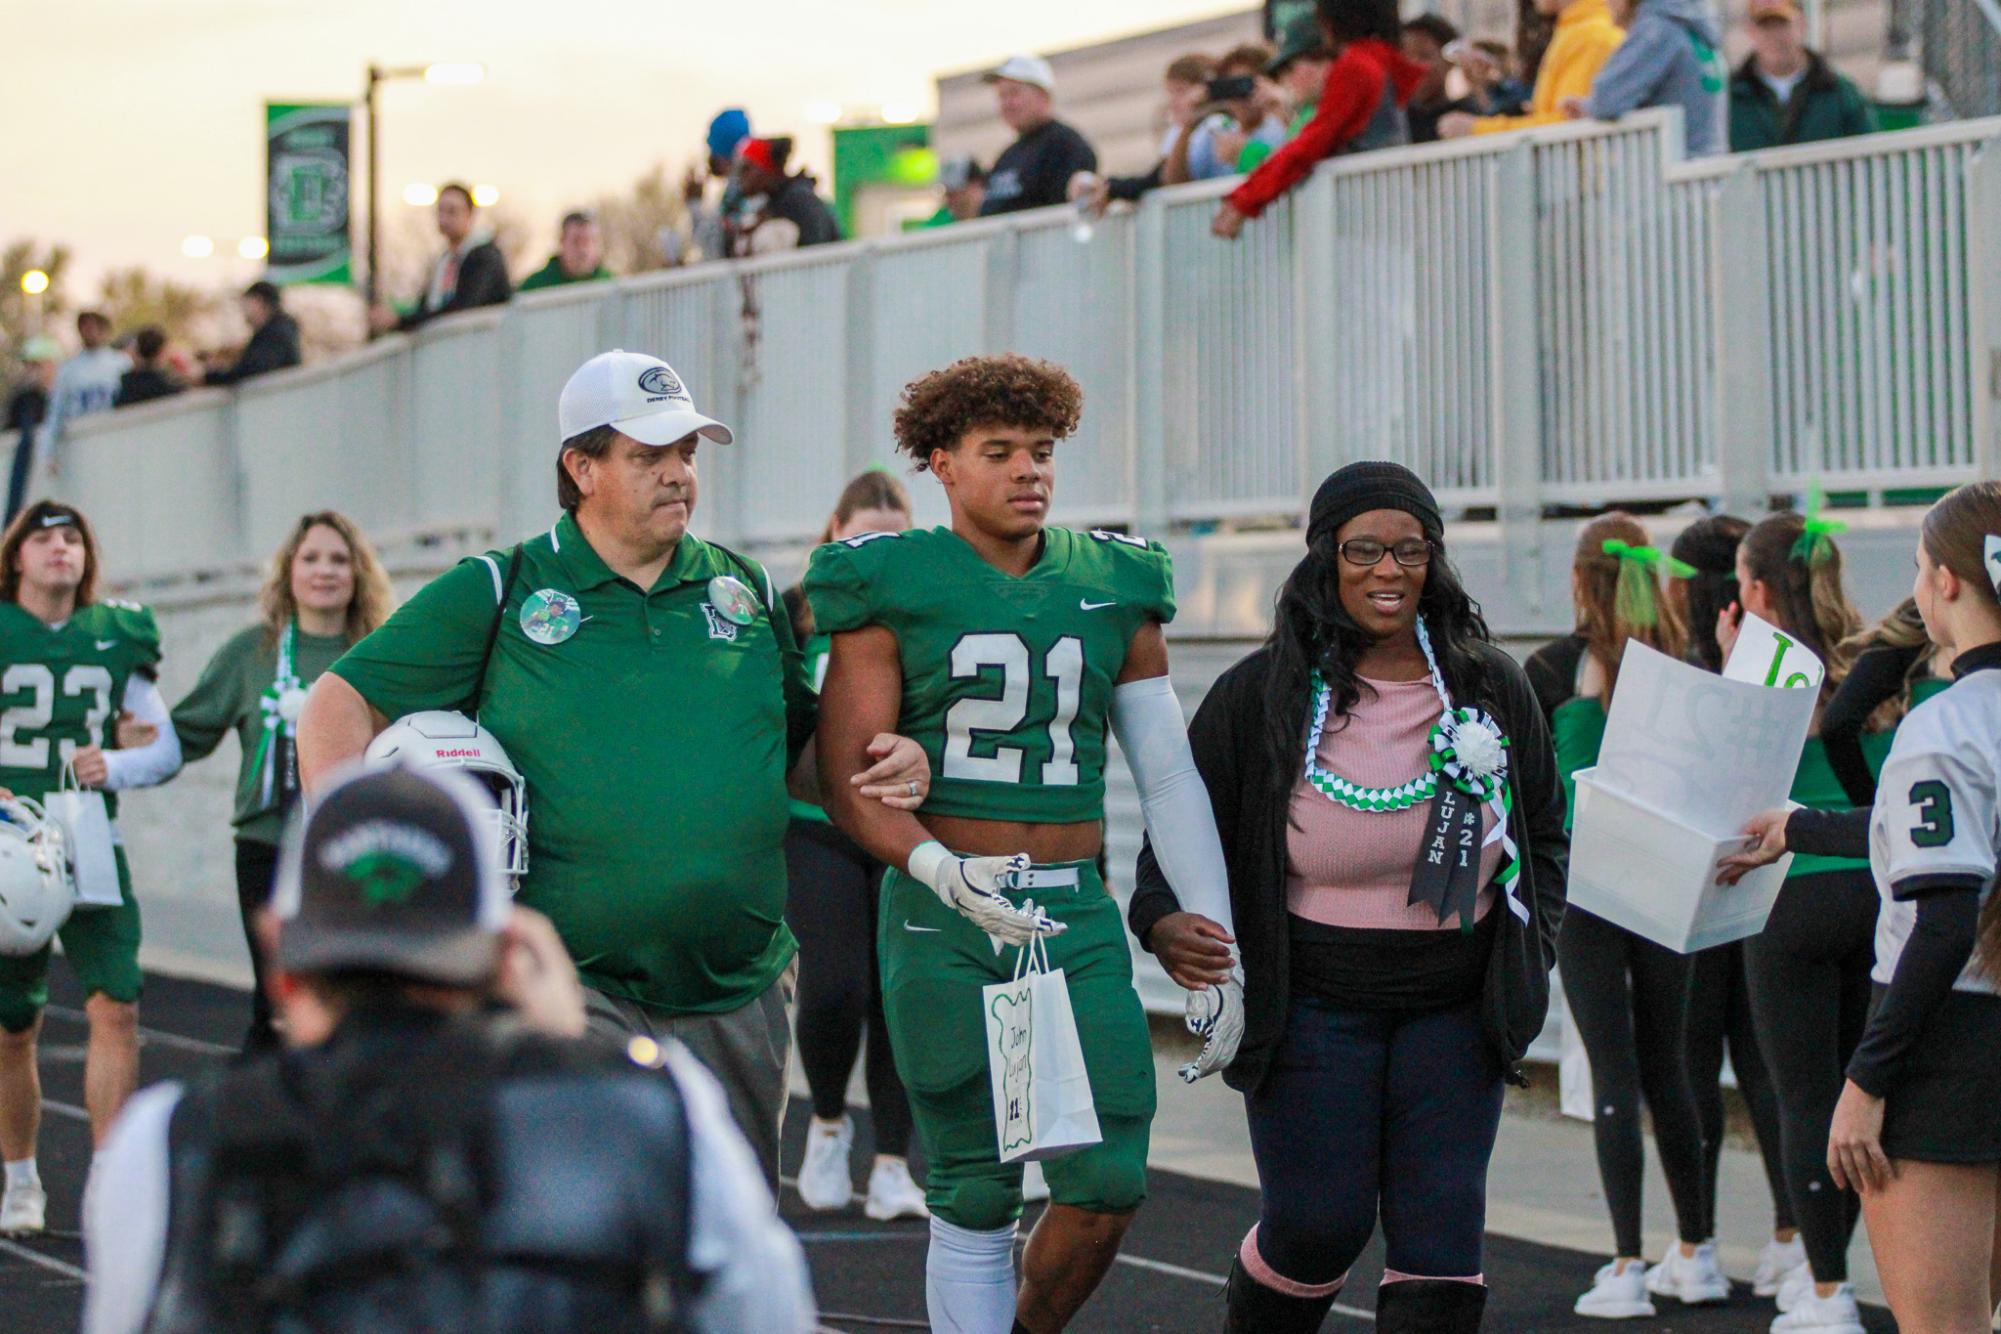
x=1035, y=170
x=1251, y=801
x=144, y=384
x=273, y=347
x=482, y=282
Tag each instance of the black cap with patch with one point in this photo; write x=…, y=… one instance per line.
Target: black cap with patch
x=388, y=875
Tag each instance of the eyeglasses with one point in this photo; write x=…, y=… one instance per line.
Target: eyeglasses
x=1366, y=551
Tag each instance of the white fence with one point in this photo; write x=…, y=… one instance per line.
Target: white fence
x=1569, y=316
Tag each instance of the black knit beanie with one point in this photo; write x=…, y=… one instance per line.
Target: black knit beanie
x=1375, y=485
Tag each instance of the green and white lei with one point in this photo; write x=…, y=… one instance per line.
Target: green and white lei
x=1468, y=750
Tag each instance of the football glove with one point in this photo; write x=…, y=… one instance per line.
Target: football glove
x=971, y=887
x=1217, y=1017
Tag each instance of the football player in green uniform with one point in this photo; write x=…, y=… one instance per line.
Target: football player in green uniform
x=1009, y=650
x=71, y=666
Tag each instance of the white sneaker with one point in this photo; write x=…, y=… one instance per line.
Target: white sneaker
x=1695, y=1279
x=1778, y=1259
x=825, y=1180
x=891, y=1192
x=1034, y=1186
x=1795, y=1286
x=1833, y=1314
x=1617, y=1296
x=23, y=1210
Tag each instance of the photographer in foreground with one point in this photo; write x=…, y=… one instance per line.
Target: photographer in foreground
x=437, y=1153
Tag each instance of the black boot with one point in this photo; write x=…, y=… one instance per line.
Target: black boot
x=1429, y=1306
x=1256, y=1309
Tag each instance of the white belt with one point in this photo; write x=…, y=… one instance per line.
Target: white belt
x=1047, y=877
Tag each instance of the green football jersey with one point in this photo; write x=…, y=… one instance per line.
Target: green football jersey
x=61, y=689
x=1007, y=682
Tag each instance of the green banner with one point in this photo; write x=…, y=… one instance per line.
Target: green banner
x=306, y=193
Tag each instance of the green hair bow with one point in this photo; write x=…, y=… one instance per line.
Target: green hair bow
x=1815, y=545
x=1634, y=599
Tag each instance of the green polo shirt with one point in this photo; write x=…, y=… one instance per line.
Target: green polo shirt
x=655, y=740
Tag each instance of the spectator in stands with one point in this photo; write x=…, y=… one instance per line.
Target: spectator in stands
x=26, y=407
x=1425, y=40
x=1361, y=106
x=712, y=226
x=963, y=182
x=87, y=383
x=1186, y=84
x=1586, y=36
x=149, y=377
x=1489, y=69
x=1243, y=107
x=1035, y=170
x=579, y=256
x=1784, y=93
x=1300, y=70
x=274, y=337
x=793, y=214
x=1672, y=57
x=471, y=273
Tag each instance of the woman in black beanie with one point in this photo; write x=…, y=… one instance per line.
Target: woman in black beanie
x=1388, y=992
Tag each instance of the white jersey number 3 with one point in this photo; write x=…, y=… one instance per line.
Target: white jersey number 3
x=969, y=720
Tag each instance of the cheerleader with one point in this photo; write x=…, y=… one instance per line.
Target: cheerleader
x=1917, y=1130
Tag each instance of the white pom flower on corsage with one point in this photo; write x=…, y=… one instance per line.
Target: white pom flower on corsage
x=1468, y=747
x=291, y=703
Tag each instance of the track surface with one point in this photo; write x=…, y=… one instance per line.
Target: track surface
x=868, y=1276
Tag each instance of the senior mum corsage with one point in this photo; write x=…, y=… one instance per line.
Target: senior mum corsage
x=1469, y=752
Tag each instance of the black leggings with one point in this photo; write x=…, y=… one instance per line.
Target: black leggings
x=831, y=907
x=1629, y=997
x=1809, y=975
x=1719, y=1009
x=256, y=867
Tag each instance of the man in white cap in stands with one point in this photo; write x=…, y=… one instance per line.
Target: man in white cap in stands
x=1035, y=170
x=647, y=686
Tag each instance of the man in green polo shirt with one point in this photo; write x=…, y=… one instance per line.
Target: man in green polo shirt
x=656, y=706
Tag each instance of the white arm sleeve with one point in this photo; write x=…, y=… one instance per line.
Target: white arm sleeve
x=1146, y=718
x=757, y=1277
x=125, y=1228
x=158, y=760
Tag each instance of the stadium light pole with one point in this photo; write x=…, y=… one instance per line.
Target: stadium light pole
x=459, y=73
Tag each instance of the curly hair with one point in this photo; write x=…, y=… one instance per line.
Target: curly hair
x=940, y=408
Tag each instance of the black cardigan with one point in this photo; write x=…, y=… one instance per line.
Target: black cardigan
x=1251, y=804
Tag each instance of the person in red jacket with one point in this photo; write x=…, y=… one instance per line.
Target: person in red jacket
x=1361, y=107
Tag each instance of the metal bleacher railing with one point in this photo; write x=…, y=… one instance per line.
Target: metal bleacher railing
x=1574, y=315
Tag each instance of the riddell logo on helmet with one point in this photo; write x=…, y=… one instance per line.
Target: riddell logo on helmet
x=462, y=753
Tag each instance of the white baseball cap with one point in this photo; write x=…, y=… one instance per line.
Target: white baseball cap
x=638, y=394
x=1024, y=69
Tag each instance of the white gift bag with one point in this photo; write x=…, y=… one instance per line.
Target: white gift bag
x=86, y=827
x=1042, y=1093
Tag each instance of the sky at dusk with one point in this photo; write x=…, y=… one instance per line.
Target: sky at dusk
x=130, y=124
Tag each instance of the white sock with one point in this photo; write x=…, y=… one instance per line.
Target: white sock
x=969, y=1280
x=23, y=1173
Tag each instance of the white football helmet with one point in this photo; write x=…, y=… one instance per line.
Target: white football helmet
x=443, y=739
x=37, y=889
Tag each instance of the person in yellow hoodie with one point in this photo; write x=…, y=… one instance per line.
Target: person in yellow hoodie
x=1586, y=36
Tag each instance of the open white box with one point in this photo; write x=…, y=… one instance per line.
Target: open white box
x=1648, y=872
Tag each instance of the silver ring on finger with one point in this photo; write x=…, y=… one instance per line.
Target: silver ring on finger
x=913, y=787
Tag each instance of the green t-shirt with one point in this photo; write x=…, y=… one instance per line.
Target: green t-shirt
x=814, y=653
x=1007, y=681
x=1816, y=787
x=61, y=687
x=229, y=698
x=655, y=739
x=1576, y=731
x=552, y=275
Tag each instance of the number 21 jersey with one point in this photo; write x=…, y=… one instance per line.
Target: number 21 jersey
x=61, y=688
x=1007, y=681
